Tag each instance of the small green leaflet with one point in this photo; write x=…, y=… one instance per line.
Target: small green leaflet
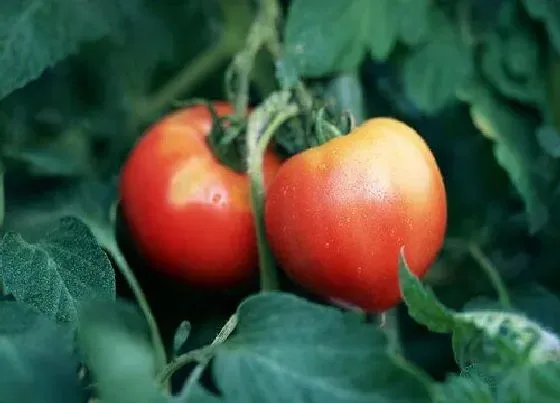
x=181, y=335
x=422, y=304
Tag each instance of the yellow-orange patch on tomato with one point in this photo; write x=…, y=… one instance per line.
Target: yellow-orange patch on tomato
x=195, y=181
x=178, y=140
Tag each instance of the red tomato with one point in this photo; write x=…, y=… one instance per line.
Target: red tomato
x=337, y=214
x=189, y=214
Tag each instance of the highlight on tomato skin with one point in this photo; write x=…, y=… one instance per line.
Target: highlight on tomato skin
x=190, y=215
x=338, y=214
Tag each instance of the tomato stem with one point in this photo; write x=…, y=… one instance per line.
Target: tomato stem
x=183, y=81
x=237, y=78
x=201, y=355
x=236, y=20
x=157, y=342
x=278, y=106
x=492, y=272
x=389, y=323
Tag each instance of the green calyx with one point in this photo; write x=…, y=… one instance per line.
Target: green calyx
x=227, y=139
x=318, y=126
x=313, y=128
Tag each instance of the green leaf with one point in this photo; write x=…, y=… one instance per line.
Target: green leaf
x=422, y=304
x=37, y=359
x=323, y=38
x=36, y=34
x=383, y=28
x=391, y=20
x=286, y=349
x=511, y=63
x=463, y=390
x=146, y=42
x=116, y=343
x=433, y=72
x=515, y=147
x=547, y=11
x=57, y=272
x=414, y=18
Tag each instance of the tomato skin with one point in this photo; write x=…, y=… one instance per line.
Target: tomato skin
x=337, y=214
x=189, y=214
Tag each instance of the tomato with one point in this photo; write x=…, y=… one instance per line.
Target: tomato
x=190, y=215
x=337, y=215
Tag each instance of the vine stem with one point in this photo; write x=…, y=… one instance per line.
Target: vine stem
x=276, y=105
x=492, y=272
x=157, y=342
x=185, y=79
x=201, y=355
x=389, y=324
x=237, y=16
x=274, y=47
x=261, y=31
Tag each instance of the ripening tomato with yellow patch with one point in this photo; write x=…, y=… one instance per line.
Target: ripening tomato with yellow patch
x=338, y=214
x=189, y=214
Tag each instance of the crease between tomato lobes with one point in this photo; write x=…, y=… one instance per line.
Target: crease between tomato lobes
x=189, y=214
x=337, y=214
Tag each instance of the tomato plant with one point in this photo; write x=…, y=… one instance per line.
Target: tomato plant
x=189, y=213
x=371, y=213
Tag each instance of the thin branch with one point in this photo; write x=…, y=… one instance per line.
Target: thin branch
x=492, y=272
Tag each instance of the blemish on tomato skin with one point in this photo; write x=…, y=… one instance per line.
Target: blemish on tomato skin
x=216, y=198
